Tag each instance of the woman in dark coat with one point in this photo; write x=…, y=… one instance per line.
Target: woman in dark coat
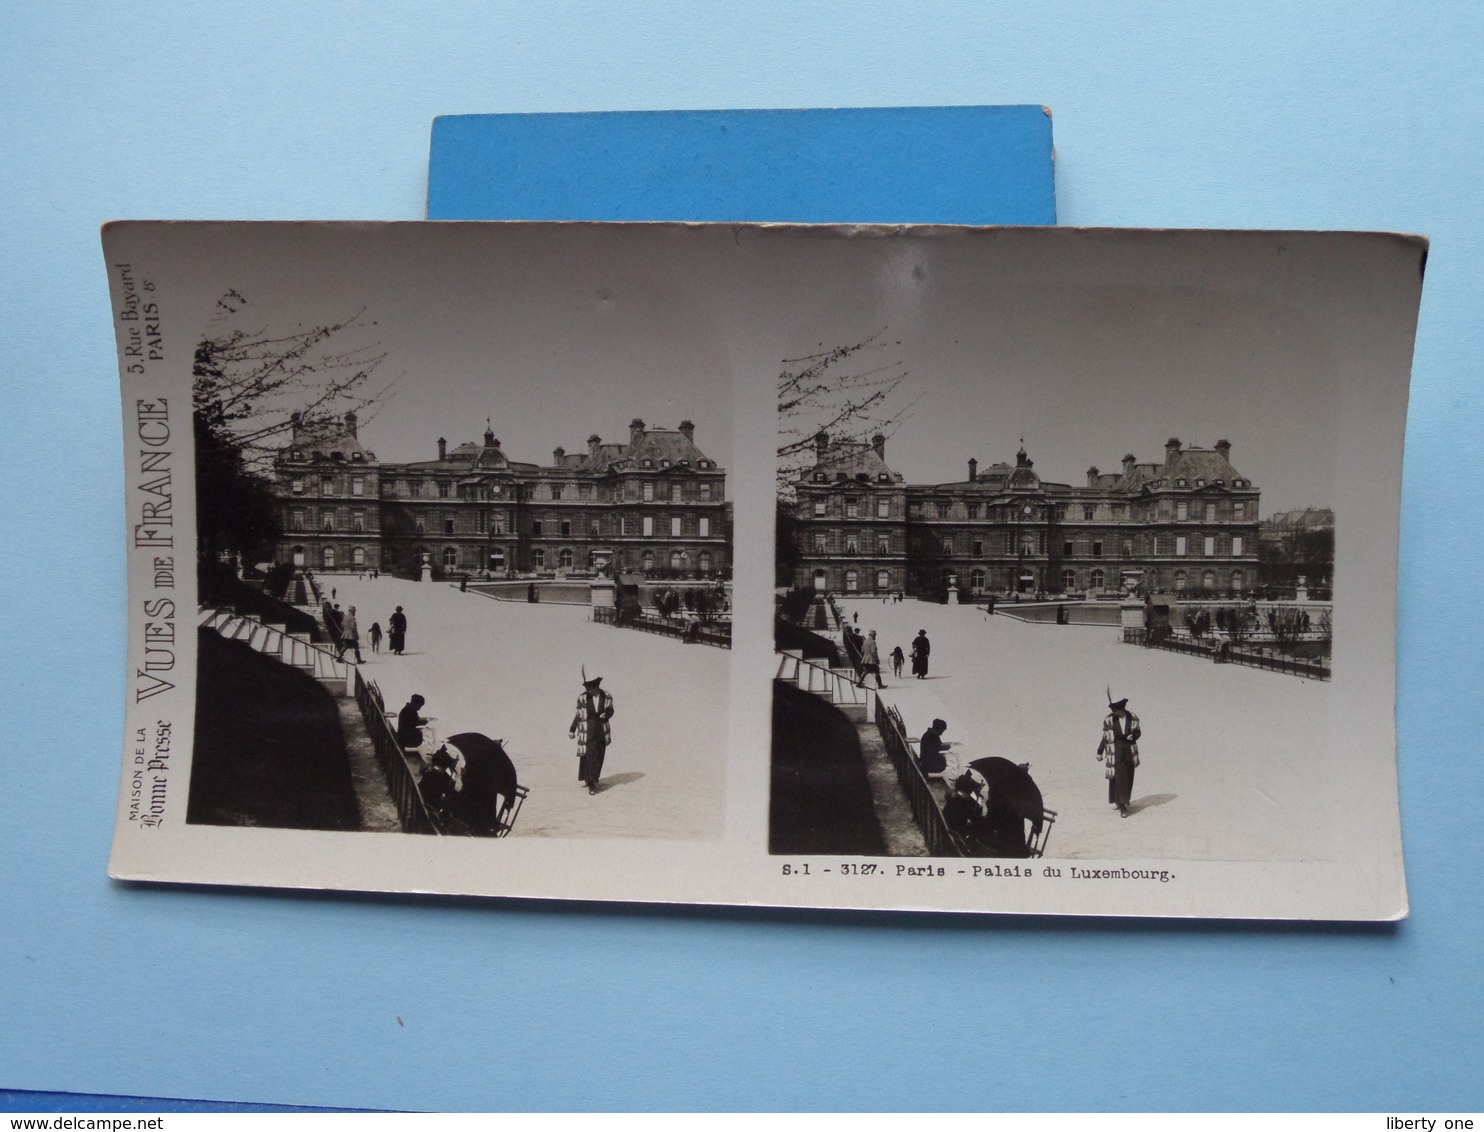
x=921, y=647
x=397, y=631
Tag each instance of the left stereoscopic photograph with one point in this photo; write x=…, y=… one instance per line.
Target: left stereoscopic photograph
x=434, y=522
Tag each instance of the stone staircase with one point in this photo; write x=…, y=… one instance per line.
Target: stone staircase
x=835, y=686
x=293, y=649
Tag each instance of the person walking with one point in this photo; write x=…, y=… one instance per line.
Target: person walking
x=870, y=661
x=375, y=636
x=921, y=647
x=350, y=635
x=898, y=658
x=397, y=631
x=591, y=729
x=1119, y=753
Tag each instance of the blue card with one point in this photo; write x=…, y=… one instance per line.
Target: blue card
x=927, y=165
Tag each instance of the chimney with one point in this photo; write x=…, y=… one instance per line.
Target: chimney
x=973, y=470
x=636, y=432
x=1128, y=463
x=688, y=430
x=592, y=444
x=1092, y=476
x=1224, y=450
x=821, y=446
x=556, y=456
x=878, y=442
x=442, y=449
x=1172, y=449
x=350, y=424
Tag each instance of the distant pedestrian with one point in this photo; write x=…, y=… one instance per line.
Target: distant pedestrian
x=870, y=661
x=593, y=732
x=397, y=631
x=1119, y=753
x=990, y=607
x=921, y=647
x=856, y=617
x=898, y=658
x=350, y=635
x=375, y=635
x=332, y=593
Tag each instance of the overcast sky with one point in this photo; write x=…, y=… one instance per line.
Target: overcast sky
x=1089, y=345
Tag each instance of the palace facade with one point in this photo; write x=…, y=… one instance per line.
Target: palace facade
x=1188, y=522
x=654, y=504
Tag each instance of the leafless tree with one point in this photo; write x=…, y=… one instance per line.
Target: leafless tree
x=248, y=380
x=845, y=393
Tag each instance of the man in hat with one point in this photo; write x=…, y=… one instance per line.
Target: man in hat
x=870, y=661
x=592, y=731
x=1119, y=753
x=350, y=635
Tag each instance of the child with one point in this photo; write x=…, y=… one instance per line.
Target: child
x=376, y=636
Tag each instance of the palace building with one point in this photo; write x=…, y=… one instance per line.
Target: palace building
x=655, y=504
x=1188, y=522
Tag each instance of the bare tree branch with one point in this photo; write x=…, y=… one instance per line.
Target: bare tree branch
x=845, y=393
x=249, y=382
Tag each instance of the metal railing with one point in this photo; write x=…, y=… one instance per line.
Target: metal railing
x=1224, y=653
x=412, y=811
x=920, y=796
x=717, y=633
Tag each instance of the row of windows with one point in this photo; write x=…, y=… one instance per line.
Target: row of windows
x=1183, y=510
x=1033, y=543
x=542, y=491
x=632, y=525
x=853, y=578
x=852, y=508
x=851, y=543
x=329, y=520
x=327, y=485
x=331, y=558
x=564, y=558
x=1071, y=581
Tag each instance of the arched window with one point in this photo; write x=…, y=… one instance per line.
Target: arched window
x=976, y=580
x=647, y=560
x=1208, y=580
x=1179, y=580
x=1097, y=580
x=1068, y=580
x=450, y=556
x=819, y=580
x=703, y=562
x=677, y=560
x=298, y=553
x=358, y=556
x=883, y=580
x=564, y=559
x=1239, y=580
x=852, y=580
x=327, y=556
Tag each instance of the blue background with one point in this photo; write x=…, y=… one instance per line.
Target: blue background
x=940, y=165
x=1327, y=115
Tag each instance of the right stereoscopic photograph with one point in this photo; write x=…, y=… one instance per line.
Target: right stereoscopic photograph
x=1086, y=549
